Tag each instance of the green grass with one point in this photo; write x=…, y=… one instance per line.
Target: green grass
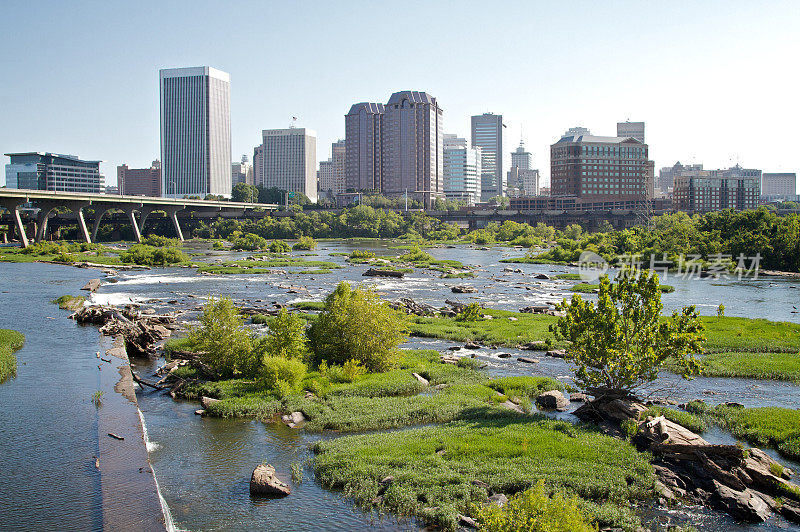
x=742, y=335
x=691, y=421
x=434, y=467
x=568, y=276
x=459, y=275
x=587, y=288
x=10, y=341
x=774, y=427
x=768, y=366
x=177, y=344
x=308, y=305
x=265, y=266
x=69, y=302
x=532, y=260
x=318, y=271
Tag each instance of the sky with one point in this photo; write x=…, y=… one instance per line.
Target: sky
x=716, y=82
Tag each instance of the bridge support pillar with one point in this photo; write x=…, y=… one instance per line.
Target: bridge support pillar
x=172, y=212
x=144, y=212
x=129, y=211
x=99, y=212
x=12, y=204
x=82, y=225
x=45, y=208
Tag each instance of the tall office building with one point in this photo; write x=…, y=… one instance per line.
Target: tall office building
x=462, y=170
x=195, y=132
x=396, y=148
x=711, y=190
x=522, y=180
x=53, y=171
x=363, y=147
x=288, y=160
x=631, y=129
x=779, y=186
x=599, y=168
x=487, y=134
x=140, y=181
x=331, y=175
x=242, y=172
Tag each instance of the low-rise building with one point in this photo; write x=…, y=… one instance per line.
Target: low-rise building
x=462, y=170
x=53, y=171
x=778, y=186
x=140, y=181
x=711, y=190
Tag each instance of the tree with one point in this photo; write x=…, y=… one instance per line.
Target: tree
x=286, y=337
x=356, y=325
x=501, y=201
x=222, y=341
x=622, y=342
x=242, y=192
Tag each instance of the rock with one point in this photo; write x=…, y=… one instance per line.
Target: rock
x=535, y=309
x=553, y=400
x=744, y=505
x=454, y=348
x=199, y=412
x=662, y=431
x=294, y=419
x=206, y=402
x=536, y=345
x=503, y=355
x=264, y=482
x=92, y=285
x=421, y=379
x=375, y=272
x=480, y=484
x=472, y=345
x=512, y=318
x=463, y=289
x=528, y=360
x=498, y=499
x=542, y=276
x=467, y=521
x=791, y=511
x=449, y=359
x=734, y=405
x=578, y=397
x=557, y=353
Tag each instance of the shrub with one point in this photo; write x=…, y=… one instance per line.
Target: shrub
x=249, y=242
x=146, y=255
x=352, y=370
x=260, y=319
x=533, y=511
x=721, y=311
x=44, y=248
x=306, y=243
x=160, y=241
x=223, y=343
x=279, y=246
x=362, y=254
x=471, y=312
x=357, y=325
x=286, y=337
x=277, y=369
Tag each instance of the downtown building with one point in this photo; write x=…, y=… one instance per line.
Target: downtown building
x=712, y=190
x=396, y=149
x=242, y=172
x=631, y=129
x=54, y=172
x=667, y=174
x=779, y=186
x=522, y=180
x=600, y=169
x=487, y=134
x=195, y=132
x=331, y=173
x=462, y=170
x=287, y=160
x=140, y=181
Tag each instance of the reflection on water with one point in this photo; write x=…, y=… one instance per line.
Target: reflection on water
x=204, y=464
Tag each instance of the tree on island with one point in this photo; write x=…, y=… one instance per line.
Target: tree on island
x=621, y=343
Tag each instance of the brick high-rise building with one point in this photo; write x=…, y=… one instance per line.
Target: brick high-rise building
x=712, y=190
x=597, y=168
x=364, y=147
x=779, y=186
x=139, y=181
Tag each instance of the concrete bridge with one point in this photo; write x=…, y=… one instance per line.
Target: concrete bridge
x=47, y=202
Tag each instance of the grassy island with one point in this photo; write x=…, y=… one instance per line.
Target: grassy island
x=10, y=341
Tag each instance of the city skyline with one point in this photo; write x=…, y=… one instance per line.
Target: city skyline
x=566, y=79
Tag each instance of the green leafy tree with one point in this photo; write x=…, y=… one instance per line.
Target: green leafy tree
x=305, y=243
x=356, y=325
x=244, y=193
x=622, y=342
x=222, y=341
x=286, y=337
x=279, y=246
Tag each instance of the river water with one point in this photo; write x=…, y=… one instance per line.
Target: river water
x=203, y=464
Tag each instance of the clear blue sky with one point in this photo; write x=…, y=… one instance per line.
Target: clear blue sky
x=715, y=82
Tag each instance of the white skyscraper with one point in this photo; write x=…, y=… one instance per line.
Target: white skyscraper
x=487, y=134
x=195, y=132
x=288, y=160
x=462, y=170
x=331, y=175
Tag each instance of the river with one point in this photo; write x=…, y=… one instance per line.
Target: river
x=203, y=465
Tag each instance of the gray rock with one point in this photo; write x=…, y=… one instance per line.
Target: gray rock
x=467, y=521
x=421, y=379
x=745, y=504
x=553, y=400
x=557, y=353
x=498, y=499
x=463, y=289
x=264, y=482
x=205, y=402
x=528, y=360
x=578, y=397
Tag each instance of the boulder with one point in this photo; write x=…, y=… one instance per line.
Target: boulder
x=467, y=521
x=92, y=285
x=535, y=309
x=463, y=289
x=472, y=345
x=375, y=272
x=578, y=397
x=528, y=360
x=536, y=345
x=294, y=419
x=503, y=355
x=557, y=353
x=542, y=276
x=264, y=482
x=421, y=379
x=744, y=505
x=205, y=402
x=552, y=400
x=498, y=499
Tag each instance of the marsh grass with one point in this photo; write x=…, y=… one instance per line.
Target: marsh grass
x=587, y=288
x=434, y=467
x=308, y=305
x=768, y=366
x=266, y=266
x=774, y=427
x=10, y=341
x=68, y=302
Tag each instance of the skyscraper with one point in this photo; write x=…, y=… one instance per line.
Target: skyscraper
x=396, y=148
x=462, y=170
x=288, y=160
x=242, y=172
x=139, y=181
x=631, y=129
x=331, y=175
x=487, y=134
x=364, y=149
x=195, y=132
x=522, y=180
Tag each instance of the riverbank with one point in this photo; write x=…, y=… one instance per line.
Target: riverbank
x=10, y=341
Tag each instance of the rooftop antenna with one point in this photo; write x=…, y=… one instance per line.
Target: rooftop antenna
x=294, y=122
